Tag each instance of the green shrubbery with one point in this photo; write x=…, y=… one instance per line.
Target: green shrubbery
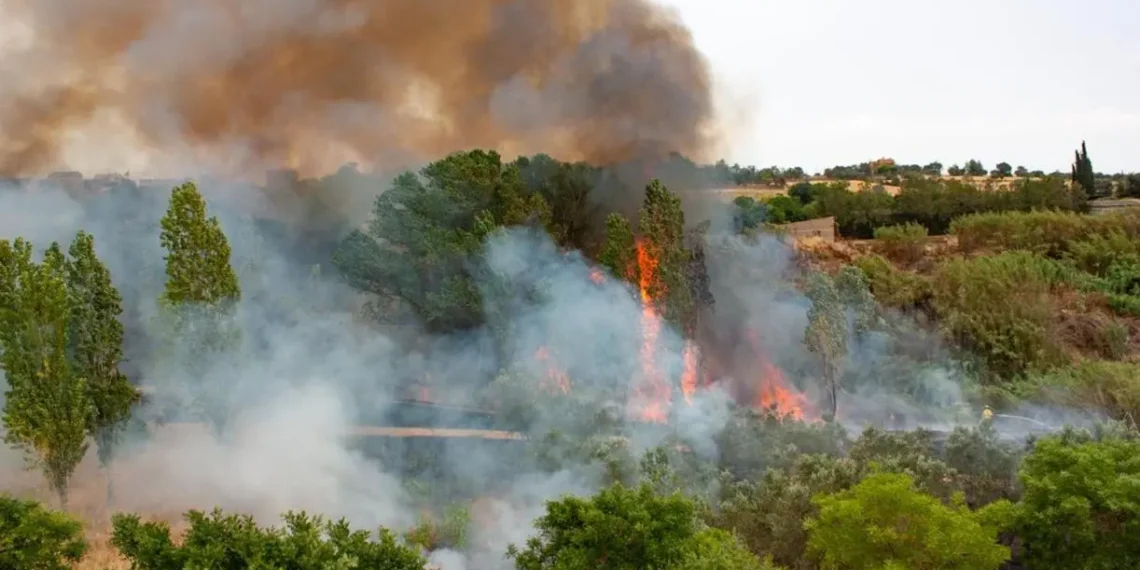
x=34, y=538
x=1049, y=233
x=903, y=243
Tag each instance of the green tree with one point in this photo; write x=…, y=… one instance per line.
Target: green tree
x=933, y=169
x=1003, y=170
x=1081, y=506
x=619, y=251
x=975, y=168
x=956, y=170
x=218, y=540
x=1021, y=172
x=47, y=410
x=96, y=338
x=884, y=522
x=1082, y=171
x=826, y=333
x=662, y=229
x=34, y=538
x=198, y=270
x=199, y=298
x=624, y=528
x=419, y=252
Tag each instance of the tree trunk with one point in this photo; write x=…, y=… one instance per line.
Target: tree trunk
x=832, y=392
x=61, y=492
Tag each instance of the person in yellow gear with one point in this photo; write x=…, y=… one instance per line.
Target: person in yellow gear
x=987, y=414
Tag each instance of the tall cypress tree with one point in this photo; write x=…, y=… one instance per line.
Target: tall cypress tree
x=1083, y=171
x=662, y=227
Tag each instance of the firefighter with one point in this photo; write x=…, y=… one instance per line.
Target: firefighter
x=987, y=415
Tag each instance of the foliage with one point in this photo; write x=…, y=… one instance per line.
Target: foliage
x=904, y=243
x=1083, y=173
x=421, y=246
x=884, y=522
x=1001, y=307
x=96, y=343
x=894, y=287
x=1102, y=384
x=662, y=229
x=826, y=333
x=198, y=268
x=1051, y=234
x=34, y=538
x=1081, y=506
x=218, y=540
x=619, y=252
x=627, y=528
x=449, y=531
x=47, y=410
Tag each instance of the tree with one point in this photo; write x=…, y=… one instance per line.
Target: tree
x=1081, y=504
x=624, y=528
x=1021, y=172
x=1082, y=171
x=219, y=540
x=1003, y=170
x=826, y=333
x=420, y=250
x=34, y=538
x=975, y=168
x=956, y=170
x=96, y=338
x=933, y=169
x=198, y=270
x=47, y=411
x=885, y=523
x=1130, y=187
x=662, y=229
x=200, y=296
x=619, y=251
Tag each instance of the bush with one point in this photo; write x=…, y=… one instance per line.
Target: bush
x=1081, y=506
x=1048, y=233
x=884, y=522
x=1101, y=384
x=894, y=287
x=231, y=541
x=904, y=243
x=1002, y=308
x=34, y=538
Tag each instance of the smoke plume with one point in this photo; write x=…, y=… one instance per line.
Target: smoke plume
x=237, y=87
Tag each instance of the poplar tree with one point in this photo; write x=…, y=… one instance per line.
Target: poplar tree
x=1083, y=171
x=47, y=410
x=826, y=334
x=200, y=296
x=96, y=345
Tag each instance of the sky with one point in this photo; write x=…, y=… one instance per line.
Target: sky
x=816, y=83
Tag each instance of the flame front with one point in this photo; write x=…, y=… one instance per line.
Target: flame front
x=556, y=378
x=772, y=392
x=689, y=372
x=652, y=396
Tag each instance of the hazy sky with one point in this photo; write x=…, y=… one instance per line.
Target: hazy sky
x=842, y=81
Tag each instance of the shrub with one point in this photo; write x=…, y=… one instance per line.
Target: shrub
x=1049, y=233
x=218, y=540
x=1081, y=506
x=891, y=286
x=904, y=243
x=1001, y=307
x=34, y=538
x=1102, y=384
x=884, y=522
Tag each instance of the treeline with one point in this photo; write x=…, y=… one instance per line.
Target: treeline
x=783, y=495
x=931, y=203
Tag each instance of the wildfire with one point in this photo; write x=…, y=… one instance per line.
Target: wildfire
x=557, y=379
x=653, y=394
x=689, y=373
x=773, y=393
x=596, y=276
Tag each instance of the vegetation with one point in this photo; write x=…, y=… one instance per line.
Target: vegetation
x=1035, y=301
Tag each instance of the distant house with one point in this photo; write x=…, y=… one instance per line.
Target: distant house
x=1106, y=205
x=822, y=228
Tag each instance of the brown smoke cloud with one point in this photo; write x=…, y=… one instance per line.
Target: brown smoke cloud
x=244, y=85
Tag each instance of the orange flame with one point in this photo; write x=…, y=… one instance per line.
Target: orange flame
x=773, y=393
x=689, y=373
x=557, y=379
x=653, y=394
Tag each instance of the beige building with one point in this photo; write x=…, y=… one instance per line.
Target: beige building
x=822, y=228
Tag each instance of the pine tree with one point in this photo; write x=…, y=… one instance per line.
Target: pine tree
x=47, y=411
x=96, y=338
x=200, y=298
x=826, y=334
x=619, y=252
